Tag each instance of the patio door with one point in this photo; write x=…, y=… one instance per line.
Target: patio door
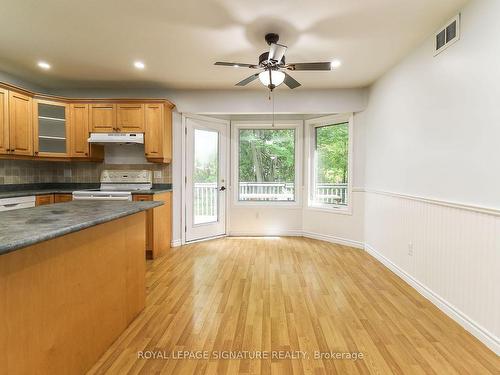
x=206, y=179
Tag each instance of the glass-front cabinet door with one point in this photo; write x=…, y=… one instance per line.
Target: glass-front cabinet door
x=51, y=128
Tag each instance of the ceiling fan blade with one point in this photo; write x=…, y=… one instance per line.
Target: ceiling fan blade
x=290, y=81
x=247, y=80
x=310, y=66
x=276, y=52
x=236, y=65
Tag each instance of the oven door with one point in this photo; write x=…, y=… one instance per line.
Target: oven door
x=102, y=196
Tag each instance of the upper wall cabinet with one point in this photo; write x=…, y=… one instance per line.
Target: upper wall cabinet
x=4, y=121
x=125, y=118
x=20, y=124
x=51, y=128
x=79, y=130
x=153, y=136
x=158, y=133
x=130, y=118
x=103, y=118
x=48, y=127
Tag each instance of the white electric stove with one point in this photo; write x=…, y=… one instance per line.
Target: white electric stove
x=117, y=185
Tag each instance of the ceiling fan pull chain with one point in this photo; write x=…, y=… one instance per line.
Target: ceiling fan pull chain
x=272, y=93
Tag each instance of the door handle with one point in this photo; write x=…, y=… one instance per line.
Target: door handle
x=222, y=188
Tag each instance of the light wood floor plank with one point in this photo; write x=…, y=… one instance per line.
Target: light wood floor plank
x=289, y=294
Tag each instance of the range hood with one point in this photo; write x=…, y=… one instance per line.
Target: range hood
x=116, y=138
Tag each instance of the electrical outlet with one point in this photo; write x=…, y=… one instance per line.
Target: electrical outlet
x=67, y=172
x=157, y=174
x=410, y=249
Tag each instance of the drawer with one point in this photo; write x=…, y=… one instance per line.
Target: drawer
x=44, y=199
x=60, y=198
x=15, y=203
x=142, y=197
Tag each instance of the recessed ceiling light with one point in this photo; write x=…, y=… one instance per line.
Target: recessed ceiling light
x=44, y=65
x=139, y=65
x=335, y=64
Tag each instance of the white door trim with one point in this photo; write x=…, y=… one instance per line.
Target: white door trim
x=186, y=116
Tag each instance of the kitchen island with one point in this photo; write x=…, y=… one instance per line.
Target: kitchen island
x=72, y=278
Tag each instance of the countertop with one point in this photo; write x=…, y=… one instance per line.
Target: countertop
x=24, y=227
x=10, y=191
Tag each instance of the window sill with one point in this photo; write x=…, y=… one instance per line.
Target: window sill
x=267, y=204
x=331, y=210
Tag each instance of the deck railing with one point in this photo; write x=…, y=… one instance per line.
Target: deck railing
x=331, y=193
x=205, y=194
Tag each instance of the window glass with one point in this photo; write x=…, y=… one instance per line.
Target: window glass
x=331, y=170
x=205, y=176
x=266, y=165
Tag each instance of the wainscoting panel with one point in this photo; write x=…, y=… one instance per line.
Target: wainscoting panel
x=451, y=254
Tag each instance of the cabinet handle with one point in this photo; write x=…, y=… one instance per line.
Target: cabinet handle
x=86, y=154
x=36, y=152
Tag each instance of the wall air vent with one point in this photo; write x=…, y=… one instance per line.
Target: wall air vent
x=447, y=35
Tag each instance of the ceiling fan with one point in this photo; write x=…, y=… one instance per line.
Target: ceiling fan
x=273, y=65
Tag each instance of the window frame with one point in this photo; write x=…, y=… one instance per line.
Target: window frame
x=310, y=138
x=236, y=126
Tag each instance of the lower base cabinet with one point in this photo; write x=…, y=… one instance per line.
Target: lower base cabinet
x=60, y=198
x=158, y=224
x=41, y=200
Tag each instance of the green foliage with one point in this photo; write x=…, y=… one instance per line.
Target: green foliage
x=332, y=143
x=267, y=155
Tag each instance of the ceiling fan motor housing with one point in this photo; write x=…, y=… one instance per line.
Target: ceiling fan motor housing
x=272, y=38
x=263, y=58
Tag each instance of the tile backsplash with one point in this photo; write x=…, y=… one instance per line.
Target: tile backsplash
x=31, y=171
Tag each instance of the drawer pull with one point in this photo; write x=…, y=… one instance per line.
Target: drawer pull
x=11, y=205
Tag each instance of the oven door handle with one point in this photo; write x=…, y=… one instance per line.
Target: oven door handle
x=97, y=198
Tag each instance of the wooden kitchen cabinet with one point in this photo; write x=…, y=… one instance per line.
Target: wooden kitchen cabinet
x=103, y=118
x=50, y=128
x=4, y=121
x=79, y=130
x=79, y=134
x=158, y=133
x=41, y=200
x=20, y=124
x=60, y=198
x=36, y=126
x=158, y=224
x=130, y=118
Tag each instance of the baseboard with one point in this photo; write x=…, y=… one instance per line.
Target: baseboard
x=333, y=239
x=483, y=335
x=176, y=243
x=285, y=233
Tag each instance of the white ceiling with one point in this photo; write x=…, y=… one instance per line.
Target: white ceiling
x=93, y=43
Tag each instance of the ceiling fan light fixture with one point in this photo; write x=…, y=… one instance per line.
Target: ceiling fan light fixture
x=277, y=77
x=335, y=64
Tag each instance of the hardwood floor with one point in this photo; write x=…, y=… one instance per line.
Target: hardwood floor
x=281, y=295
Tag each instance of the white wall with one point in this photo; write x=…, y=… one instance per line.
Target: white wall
x=18, y=81
x=241, y=101
x=434, y=122
x=432, y=130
